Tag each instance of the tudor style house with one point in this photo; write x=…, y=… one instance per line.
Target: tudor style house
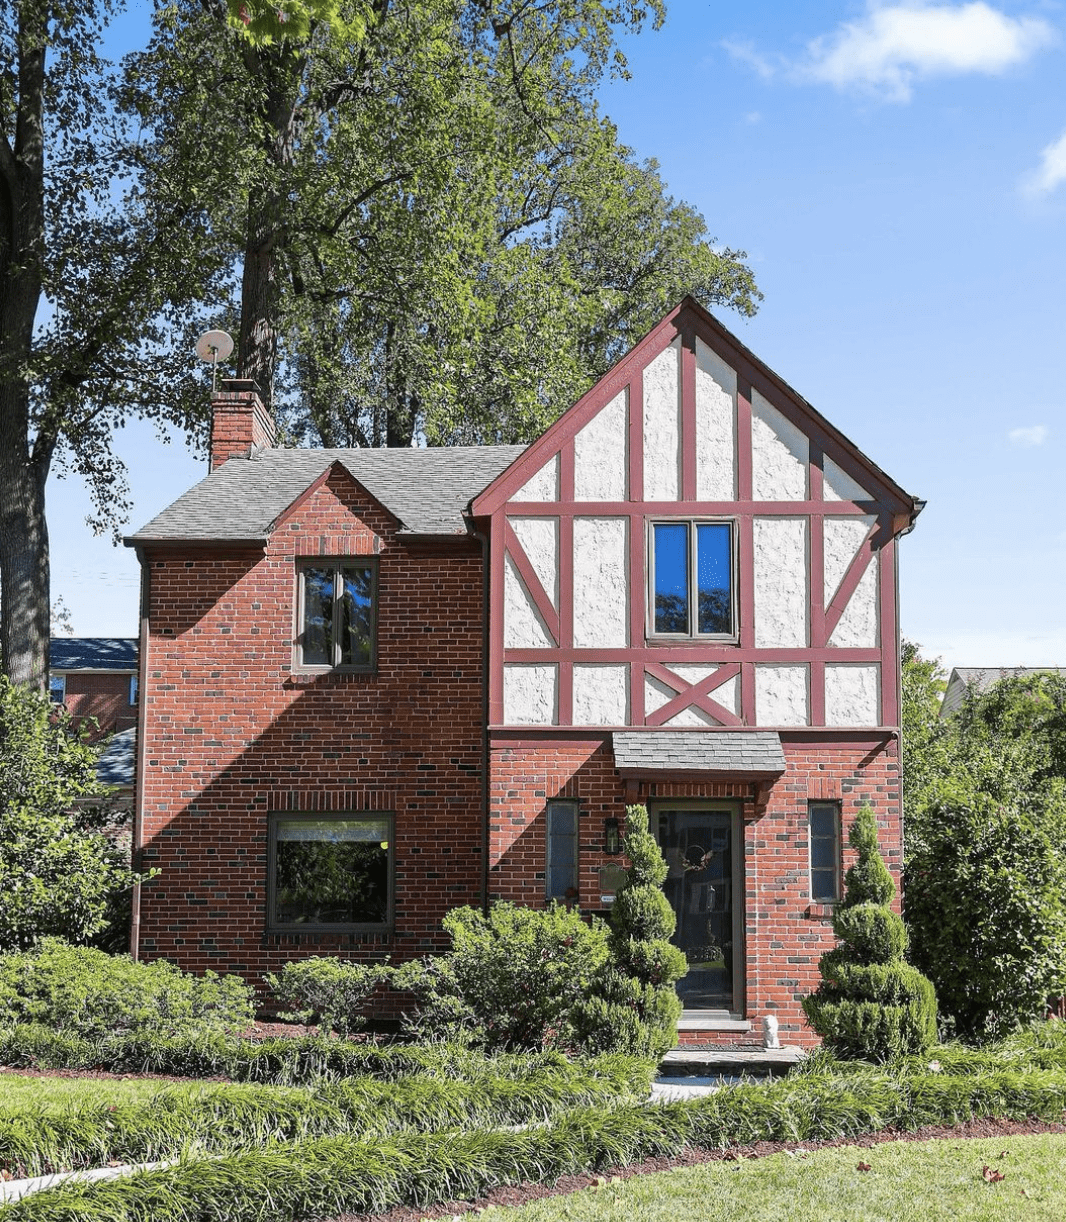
x=380, y=684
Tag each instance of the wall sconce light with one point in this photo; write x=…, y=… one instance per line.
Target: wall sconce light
x=612, y=840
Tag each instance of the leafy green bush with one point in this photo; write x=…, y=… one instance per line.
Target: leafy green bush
x=633, y=1005
x=871, y=1004
x=510, y=980
x=329, y=992
x=83, y=992
x=986, y=903
x=59, y=874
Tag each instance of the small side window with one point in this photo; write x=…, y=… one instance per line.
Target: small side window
x=561, y=874
x=824, y=819
x=338, y=615
x=134, y=689
x=57, y=688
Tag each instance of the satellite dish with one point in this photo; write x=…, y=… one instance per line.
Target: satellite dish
x=214, y=346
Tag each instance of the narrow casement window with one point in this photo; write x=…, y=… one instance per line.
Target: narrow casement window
x=338, y=613
x=57, y=688
x=825, y=851
x=331, y=872
x=692, y=579
x=562, y=850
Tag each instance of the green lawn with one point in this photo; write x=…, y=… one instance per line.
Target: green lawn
x=933, y=1181
x=17, y=1094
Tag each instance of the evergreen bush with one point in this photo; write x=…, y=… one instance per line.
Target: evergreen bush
x=510, y=980
x=329, y=992
x=871, y=1004
x=85, y=993
x=633, y=1006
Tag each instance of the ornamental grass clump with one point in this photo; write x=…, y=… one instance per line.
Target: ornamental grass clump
x=634, y=1006
x=871, y=1004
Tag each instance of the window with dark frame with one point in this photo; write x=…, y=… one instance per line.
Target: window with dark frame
x=338, y=615
x=330, y=872
x=562, y=851
x=57, y=688
x=134, y=689
x=824, y=832
x=691, y=582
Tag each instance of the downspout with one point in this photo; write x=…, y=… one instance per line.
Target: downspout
x=483, y=539
x=142, y=752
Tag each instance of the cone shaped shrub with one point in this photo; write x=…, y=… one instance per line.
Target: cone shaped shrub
x=633, y=1006
x=871, y=1004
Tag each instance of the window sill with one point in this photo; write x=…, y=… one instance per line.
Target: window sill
x=821, y=911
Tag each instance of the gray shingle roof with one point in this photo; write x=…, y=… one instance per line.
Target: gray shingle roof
x=757, y=753
x=427, y=490
x=118, y=763
x=92, y=653
x=980, y=678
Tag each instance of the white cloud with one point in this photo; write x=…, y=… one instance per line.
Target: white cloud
x=746, y=53
x=1034, y=435
x=895, y=45
x=1051, y=171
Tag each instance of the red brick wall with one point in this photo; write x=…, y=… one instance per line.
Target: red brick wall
x=106, y=698
x=232, y=733
x=784, y=933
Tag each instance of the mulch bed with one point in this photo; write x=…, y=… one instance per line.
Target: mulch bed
x=521, y=1193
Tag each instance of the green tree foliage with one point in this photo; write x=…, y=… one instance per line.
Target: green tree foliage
x=871, y=1004
x=98, y=275
x=985, y=825
x=633, y=1006
x=58, y=875
x=438, y=235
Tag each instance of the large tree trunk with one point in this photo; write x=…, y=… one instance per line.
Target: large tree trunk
x=24, y=589
x=280, y=68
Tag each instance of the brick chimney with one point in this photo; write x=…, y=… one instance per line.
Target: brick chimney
x=240, y=421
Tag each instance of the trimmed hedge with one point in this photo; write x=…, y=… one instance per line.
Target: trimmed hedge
x=328, y=1176
x=228, y=1117
x=278, y=1062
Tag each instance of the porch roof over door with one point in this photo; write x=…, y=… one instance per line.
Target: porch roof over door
x=755, y=755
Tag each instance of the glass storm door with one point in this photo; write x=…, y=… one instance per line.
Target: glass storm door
x=698, y=844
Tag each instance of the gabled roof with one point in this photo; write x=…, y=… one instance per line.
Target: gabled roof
x=690, y=317
x=92, y=653
x=426, y=490
x=978, y=679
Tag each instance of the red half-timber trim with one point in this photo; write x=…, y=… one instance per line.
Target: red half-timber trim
x=496, y=551
x=762, y=509
x=889, y=627
x=816, y=681
x=688, y=413
x=695, y=654
x=693, y=694
x=532, y=582
x=876, y=537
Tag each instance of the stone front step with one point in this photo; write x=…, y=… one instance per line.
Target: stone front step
x=730, y=1062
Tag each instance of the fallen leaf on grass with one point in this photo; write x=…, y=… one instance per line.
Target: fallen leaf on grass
x=863, y=1167
x=990, y=1176
x=6, y=1175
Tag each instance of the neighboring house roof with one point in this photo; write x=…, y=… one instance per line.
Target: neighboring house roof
x=92, y=653
x=118, y=763
x=977, y=679
x=755, y=753
x=427, y=490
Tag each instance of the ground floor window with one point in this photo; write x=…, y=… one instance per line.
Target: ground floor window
x=825, y=851
x=561, y=873
x=330, y=872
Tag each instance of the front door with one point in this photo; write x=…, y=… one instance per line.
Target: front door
x=700, y=844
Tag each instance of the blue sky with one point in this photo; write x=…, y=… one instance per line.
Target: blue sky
x=897, y=175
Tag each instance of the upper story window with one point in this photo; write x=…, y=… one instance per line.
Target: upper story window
x=691, y=579
x=338, y=615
